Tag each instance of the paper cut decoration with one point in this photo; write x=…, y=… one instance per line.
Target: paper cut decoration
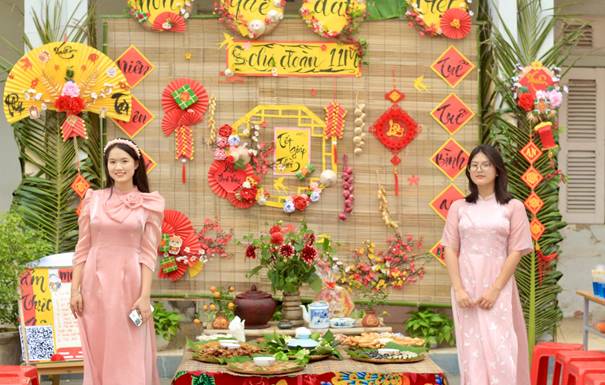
x=452, y=66
x=139, y=119
x=437, y=251
x=452, y=113
x=134, y=65
x=333, y=18
x=251, y=19
x=161, y=16
x=451, y=158
x=179, y=247
x=443, y=201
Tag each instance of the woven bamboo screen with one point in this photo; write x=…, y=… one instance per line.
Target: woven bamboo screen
x=393, y=49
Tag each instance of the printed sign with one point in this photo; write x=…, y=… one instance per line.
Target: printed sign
x=134, y=65
x=452, y=66
x=451, y=158
x=443, y=201
x=292, y=150
x=139, y=118
x=452, y=114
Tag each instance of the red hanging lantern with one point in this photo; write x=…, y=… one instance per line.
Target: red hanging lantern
x=547, y=138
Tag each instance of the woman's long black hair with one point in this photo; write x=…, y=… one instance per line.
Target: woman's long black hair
x=501, y=182
x=139, y=178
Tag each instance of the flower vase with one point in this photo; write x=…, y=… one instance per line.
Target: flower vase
x=370, y=319
x=291, y=310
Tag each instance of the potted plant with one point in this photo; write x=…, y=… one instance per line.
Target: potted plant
x=289, y=255
x=166, y=325
x=19, y=246
x=221, y=310
x=435, y=328
x=373, y=272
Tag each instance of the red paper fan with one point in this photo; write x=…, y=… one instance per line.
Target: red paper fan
x=240, y=204
x=169, y=21
x=455, y=23
x=177, y=118
x=169, y=104
x=224, y=180
x=177, y=223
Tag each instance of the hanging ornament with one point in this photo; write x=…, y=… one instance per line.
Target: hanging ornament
x=184, y=148
x=348, y=188
x=179, y=247
x=383, y=207
x=395, y=129
x=211, y=121
x=360, y=122
x=335, y=122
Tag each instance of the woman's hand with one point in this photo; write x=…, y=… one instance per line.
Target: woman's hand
x=76, y=304
x=462, y=298
x=144, y=307
x=488, y=299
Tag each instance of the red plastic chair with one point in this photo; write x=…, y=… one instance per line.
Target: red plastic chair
x=19, y=375
x=542, y=353
x=594, y=379
x=564, y=359
x=579, y=369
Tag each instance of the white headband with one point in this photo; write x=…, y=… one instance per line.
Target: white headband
x=123, y=141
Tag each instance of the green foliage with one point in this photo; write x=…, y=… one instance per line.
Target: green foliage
x=19, y=245
x=44, y=197
x=278, y=344
x=507, y=128
x=166, y=322
x=435, y=328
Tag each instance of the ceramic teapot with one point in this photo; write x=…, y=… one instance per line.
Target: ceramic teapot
x=317, y=315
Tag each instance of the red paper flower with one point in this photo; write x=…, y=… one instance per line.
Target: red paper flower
x=308, y=254
x=300, y=202
x=455, y=23
x=250, y=252
x=286, y=250
x=71, y=105
x=248, y=193
x=526, y=101
x=230, y=160
x=277, y=238
x=225, y=130
x=275, y=229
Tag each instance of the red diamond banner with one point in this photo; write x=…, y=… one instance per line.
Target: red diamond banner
x=532, y=177
x=452, y=66
x=148, y=161
x=531, y=152
x=534, y=203
x=537, y=229
x=80, y=185
x=139, y=119
x=443, y=201
x=451, y=158
x=438, y=252
x=134, y=65
x=452, y=114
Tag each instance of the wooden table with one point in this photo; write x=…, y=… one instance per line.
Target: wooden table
x=255, y=333
x=587, y=328
x=327, y=371
x=55, y=368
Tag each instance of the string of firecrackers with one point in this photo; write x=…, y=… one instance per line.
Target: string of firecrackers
x=161, y=18
x=330, y=24
x=359, y=124
x=335, y=123
x=452, y=21
x=348, y=188
x=184, y=101
x=383, y=207
x=538, y=92
x=248, y=126
x=249, y=21
x=86, y=81
x=211, y=122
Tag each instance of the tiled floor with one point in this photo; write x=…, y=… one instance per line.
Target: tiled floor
x=570, y=330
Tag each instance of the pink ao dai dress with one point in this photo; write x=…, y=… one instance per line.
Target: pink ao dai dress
x=492, y=344
x=118, y=233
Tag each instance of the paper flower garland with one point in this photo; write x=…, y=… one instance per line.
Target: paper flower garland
x=184, y=102
x=161, y=16
x=179, y=248
x=452, y=20
x=333, y=18
x=71, y=78
x=250, y=18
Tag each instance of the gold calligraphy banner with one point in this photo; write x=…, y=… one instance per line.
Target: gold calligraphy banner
x=292, y=58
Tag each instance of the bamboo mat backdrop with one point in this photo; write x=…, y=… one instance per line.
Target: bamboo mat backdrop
x=393, y=47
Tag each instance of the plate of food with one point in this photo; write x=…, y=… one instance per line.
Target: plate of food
x=396, y=354
x=219, y=352
x=378, y=340
x=274, y=368
x=324, y=346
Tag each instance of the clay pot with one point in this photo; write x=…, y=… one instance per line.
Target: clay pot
x=370, y=319
x=220, y=322
x=256, y=307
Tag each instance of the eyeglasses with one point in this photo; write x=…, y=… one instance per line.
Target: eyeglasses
x=480, y=166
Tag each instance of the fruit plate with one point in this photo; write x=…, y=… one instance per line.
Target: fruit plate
x=279, y=367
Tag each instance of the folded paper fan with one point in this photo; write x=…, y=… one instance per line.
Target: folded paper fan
x=169, y=21
x=171, y=98
x=455, y=23
x=177, y=118
x=177, y=223
x=38, y=80
x=161, y=16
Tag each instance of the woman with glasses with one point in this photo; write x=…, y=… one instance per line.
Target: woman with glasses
x=485, y=236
